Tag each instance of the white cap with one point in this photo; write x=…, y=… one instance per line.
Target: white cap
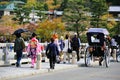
x=62, y=37
x=75, y=33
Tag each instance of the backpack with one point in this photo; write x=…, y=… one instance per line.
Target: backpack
x=19, y=44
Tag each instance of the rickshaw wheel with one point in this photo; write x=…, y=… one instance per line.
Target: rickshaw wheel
x=87, y=57
x=107, y=58
x=118, y=56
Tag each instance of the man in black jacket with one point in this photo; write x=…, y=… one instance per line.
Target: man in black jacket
x=52, y=52
x=76, y=45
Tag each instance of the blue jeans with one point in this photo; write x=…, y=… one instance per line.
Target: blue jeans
x=19, y=57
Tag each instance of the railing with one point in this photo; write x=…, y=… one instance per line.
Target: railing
x=8, y=56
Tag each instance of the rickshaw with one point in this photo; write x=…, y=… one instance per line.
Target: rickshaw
x=97, y=49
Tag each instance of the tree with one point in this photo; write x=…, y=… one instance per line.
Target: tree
x=40, y=8
x=63, y=5
x=110, y=23
x=113, y=2
x=7, y=25
x=3, y=3
x=53, y=4
x=59, y=5
x=24, y=1
x=116, y=30
x=76, y=15
x=48, y=27
x=98, y=8
x=21, y=15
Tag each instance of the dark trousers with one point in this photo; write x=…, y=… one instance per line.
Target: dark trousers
x=78, y=57
x=19, y=57
x=77, y=52
x=52, y=61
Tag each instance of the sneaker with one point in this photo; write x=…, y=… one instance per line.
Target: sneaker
x=17, y=65
x=53, y=67
x=100, y=61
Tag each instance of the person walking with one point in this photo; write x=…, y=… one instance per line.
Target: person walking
x=108, y=43
x=19, y=46
x=114, y=48
x=56, y=41
x=67, y=44
x=33, y=49
x=76, y=45
x=61, y=44
x=51, y=52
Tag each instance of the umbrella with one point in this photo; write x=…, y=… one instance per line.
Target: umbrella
x=99, y=30
x=19, y=31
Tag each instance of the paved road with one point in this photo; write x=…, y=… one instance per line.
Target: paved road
x=81, y=73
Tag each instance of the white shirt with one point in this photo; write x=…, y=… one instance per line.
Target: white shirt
x=66, y=45
x=57, y=43
x=113, y=42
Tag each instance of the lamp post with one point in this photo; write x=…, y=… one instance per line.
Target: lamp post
x=55, y=13
x=33, y=14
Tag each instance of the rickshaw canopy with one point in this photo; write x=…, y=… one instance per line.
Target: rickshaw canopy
x=99, y=30
x=96, y=36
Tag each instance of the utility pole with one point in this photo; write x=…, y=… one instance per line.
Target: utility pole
x=33, y=15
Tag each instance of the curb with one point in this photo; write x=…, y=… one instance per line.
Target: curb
x=37, y=71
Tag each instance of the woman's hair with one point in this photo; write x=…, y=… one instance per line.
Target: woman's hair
x=34, y=34
x=66, y=36
x=52, y=40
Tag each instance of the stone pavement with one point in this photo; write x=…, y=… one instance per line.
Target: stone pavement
x=10, y=72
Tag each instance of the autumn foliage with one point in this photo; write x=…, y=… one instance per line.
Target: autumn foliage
x=51, y=4
x=48, y=27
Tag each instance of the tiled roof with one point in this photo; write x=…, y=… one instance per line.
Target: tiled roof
x=10, y=6
x=7, y=7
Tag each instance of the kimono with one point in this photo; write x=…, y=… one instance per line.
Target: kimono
x=33, y=49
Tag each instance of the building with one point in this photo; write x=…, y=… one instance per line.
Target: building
x=115, y=11
x=8, y=7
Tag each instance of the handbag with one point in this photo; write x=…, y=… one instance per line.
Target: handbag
x=48, y=54
x=69, y=50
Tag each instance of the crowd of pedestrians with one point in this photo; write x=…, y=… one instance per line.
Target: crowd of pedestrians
x=58, y=50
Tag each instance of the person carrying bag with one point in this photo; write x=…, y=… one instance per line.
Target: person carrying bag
x=69, y=49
